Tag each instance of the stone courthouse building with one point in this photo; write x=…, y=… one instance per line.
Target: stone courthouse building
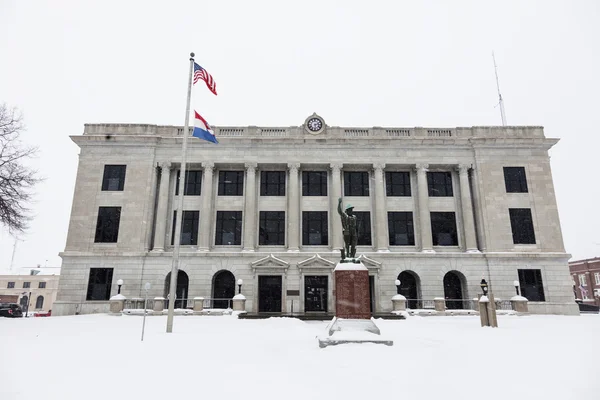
x=438, y=208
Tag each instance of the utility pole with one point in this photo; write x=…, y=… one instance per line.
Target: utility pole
x=500, y=101
x=12, y=259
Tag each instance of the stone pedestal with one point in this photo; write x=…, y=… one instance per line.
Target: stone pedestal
x=476, y=303
x=353, y=322
x=440, y=304
x=352, y=291
x=159, y=304
x=198, y=304
x=399, y=303
x=519, y=304
x=483, y=311
x=239, y=303
x=117, y=303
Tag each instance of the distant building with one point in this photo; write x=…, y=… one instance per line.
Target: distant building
x=18, y=288
x=437, y=208
x=585, y=275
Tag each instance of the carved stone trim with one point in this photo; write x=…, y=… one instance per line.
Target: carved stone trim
x=316, y=261
x=293, y=167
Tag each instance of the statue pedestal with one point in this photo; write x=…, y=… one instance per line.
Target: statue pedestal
x=352, y=322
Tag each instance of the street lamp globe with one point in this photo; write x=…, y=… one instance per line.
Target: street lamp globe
x=397, y=282
x=240, y=282
x=119, y=284
x=516, y=285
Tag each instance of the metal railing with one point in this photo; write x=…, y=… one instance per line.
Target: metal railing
x=504, y=305
x=218, y=303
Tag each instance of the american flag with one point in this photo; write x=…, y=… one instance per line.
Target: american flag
x=201, y=73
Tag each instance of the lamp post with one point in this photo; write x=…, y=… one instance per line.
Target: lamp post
x=397, y=282
x=240, y=282
x=516, y=284
x=119, y=284
x=484, y=287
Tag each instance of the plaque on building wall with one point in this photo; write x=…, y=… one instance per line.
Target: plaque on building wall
x=293, y=293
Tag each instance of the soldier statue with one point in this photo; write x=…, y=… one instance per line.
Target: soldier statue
x=349, y=226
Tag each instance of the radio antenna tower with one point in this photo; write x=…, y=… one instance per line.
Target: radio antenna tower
x=500, y=101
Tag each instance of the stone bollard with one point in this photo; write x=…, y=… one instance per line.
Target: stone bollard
x=399, y=303
x=440, y=304
x=476, y=303
x=117, y=303
x=159, y=304
x=519, y=304
x=483, y=311
x=198, y=304
x=239, y=303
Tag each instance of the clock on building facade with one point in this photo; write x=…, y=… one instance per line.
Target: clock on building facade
x=314, y=124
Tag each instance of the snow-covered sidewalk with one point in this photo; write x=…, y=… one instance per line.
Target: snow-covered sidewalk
x=439, y=358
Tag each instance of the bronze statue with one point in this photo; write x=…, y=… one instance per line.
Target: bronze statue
x=349, y=226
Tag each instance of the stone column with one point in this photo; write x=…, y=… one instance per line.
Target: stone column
x=250, y=208
x=206, y=216
x=424, y=216
x=293, y=216
x=381, y=229
x=161, y=211
x=467, y=209
x=337, y=238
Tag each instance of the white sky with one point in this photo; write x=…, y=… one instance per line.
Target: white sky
x=356, y=63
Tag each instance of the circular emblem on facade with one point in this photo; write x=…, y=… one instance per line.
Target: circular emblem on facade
x=314, y=124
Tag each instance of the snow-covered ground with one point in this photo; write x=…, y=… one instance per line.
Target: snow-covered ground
x=439, y=358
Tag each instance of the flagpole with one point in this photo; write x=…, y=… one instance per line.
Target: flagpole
x=182, y=182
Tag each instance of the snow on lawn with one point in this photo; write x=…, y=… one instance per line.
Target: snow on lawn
x=439, y=358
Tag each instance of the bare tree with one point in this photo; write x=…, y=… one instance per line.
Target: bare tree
x=16, y=179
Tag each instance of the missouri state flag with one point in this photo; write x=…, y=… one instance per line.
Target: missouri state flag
x=202, y=129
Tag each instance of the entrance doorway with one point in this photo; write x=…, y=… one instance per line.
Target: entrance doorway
x=453, y=290
x=269, y=293
x=181, y=290
x=315, y=293
x=409, y=288
x=223, y=289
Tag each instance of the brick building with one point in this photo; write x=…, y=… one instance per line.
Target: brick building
x=585, y=275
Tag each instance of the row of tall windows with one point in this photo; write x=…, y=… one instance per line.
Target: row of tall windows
x=315, y=227
x=314, y=183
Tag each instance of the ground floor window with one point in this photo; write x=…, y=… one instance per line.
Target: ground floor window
x=99, y=284
x=531, y=284
x=39, y=303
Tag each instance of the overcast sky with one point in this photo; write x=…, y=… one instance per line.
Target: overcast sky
x=356, y=63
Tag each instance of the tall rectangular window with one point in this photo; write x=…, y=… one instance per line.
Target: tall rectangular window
x=401, y=228
x=397, y=184
x=356, y=183
x=272, y=183
x=189, y=227
x=314, y=228
x=107, y=225
x=231, y=183
x=597, y=277
x=99, y=284
x=11, y=285
x=443, y=229
x=363, y=225
x=515, y=180
x=114, y=177
x=314, y=183
x=26, y=285
x=531, y=284
x=440, y=184
x=229, y=228
x=522, y=226
x=583, y=280
x=193, y=183
x=271, y=228
x=42, y=285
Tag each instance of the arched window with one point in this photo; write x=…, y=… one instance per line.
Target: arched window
x=39, y=303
